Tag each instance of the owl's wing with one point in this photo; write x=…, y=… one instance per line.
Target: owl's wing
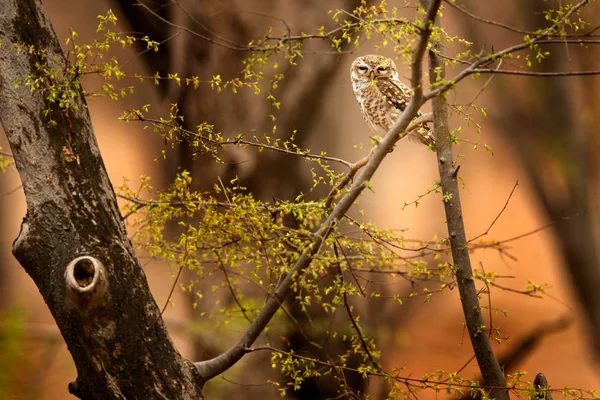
x=396, y=94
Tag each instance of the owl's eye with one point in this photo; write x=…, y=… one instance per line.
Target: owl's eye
x=362, y=68
x=382, y=69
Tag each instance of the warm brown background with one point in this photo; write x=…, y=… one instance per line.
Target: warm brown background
x=428, y=336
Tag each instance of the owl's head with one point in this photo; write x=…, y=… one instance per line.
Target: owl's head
x=372, y=67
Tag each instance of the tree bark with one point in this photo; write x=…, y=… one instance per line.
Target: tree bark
x=72, y=242
x=493, y=376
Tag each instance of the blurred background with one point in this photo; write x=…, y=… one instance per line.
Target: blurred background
x=542, y=131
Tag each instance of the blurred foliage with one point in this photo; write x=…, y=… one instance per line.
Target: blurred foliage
x=17, y=366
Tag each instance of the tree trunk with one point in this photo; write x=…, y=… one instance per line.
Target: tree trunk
x=72, y=241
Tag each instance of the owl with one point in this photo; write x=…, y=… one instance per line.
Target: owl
x=381, y=95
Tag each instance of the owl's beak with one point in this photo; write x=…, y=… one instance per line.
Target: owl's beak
x=372, y=75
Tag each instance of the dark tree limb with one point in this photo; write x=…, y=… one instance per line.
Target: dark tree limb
x=540, y=383
x=72, y=242
x=493, y=375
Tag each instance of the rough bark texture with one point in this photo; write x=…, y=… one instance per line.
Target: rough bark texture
x=104, y=308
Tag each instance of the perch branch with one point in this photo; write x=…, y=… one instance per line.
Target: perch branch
x=213, y=367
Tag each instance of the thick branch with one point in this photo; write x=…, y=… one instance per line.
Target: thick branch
x=72, y=242
x=488, y=364
x=211, y=368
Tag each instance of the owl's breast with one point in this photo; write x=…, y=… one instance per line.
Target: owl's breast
x=379, y=113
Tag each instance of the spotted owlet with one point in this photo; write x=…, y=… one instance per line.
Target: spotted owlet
x=381, y=95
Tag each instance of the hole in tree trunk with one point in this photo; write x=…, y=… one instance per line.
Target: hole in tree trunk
x=84, y=272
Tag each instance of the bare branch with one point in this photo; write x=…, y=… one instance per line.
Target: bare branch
x=485, y=21
x=497, y=216
x=533, y=73
x=529, y=293
x=170, y=296
x=485, y=85
x=534, y=231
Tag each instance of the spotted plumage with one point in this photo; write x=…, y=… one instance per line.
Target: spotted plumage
x=381, y=95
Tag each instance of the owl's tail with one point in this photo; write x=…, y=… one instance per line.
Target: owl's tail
x=422, y=135
x=425, y=135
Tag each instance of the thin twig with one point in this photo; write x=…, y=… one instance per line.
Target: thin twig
x=231, y=289
x=226, y=43
x=171, y=291
x=524, y=292
x=354, y=168
x=245, y=142
x=357, y=329
x=197, y=22
x=413, y=382
x=8, y=193
x=497, y=216
x=192, y=32
x=489, y=295
x=485, y=85
x=533, y=73
x=486, y=21
x=534, y=231
x=485, y=60
x=335, y=249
